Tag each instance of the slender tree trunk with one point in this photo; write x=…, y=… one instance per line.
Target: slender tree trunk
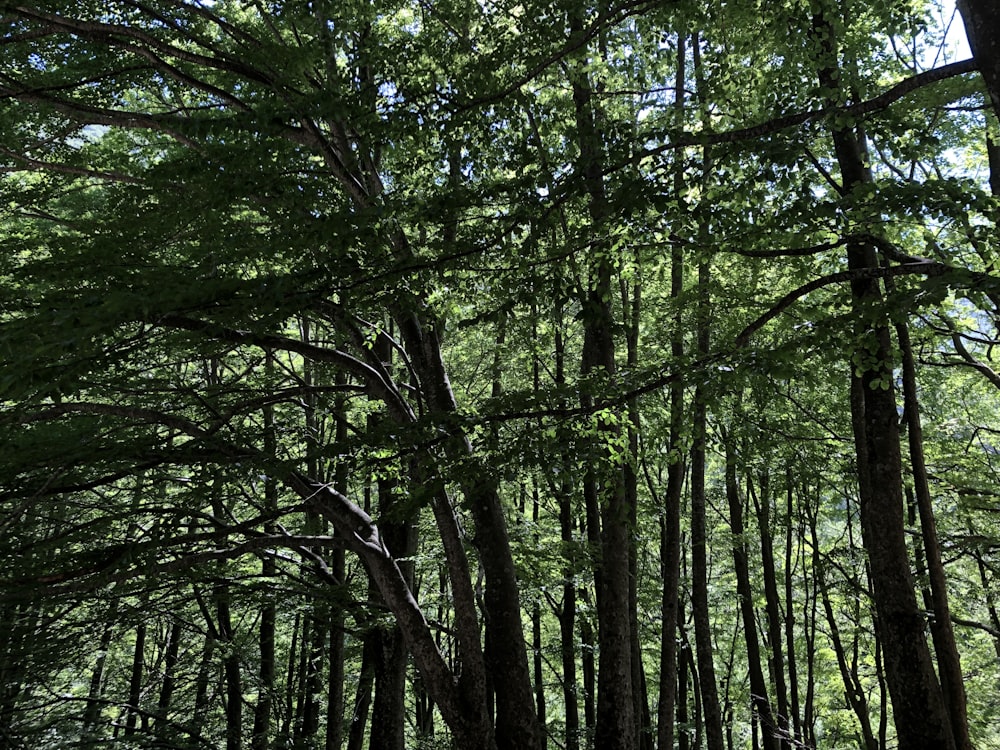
x=536, y=623
x=288, y=697
x=853, y=688
x=335, y=681
x=16, y=628
x=95, y=695
x=632, y=304
x=260, y=735
x=810, y=616
x=201, y=702
x=232, y=671
x=991, y=604
x=762, y=506
x=161, y=724
x=758, y=686
x=945, y=648
x=711, y=710
x=589, y=670
x=563, y=489
x=135, y=680
x=307, y=713
x=791, y=554
x=683, y=677
x=670, y=513
x=389, y=707
x=363, y=694
x=708, y=686
x=337, y=563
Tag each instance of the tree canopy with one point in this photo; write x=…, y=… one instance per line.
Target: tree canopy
x=499, y=375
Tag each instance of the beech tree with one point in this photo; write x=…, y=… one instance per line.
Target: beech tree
x=498, y=375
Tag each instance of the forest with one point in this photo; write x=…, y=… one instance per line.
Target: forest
x=500, y=374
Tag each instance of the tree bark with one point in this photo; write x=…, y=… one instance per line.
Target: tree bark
x=670, y=512
x=918, y=707
x=943, y=635
x=161, y=723
x=982, y=27
x=617, y=727
x=758, y=687
x=135, y=680
x=711, y=710
x=95, y=695
x=854, y=691
x=773, y=607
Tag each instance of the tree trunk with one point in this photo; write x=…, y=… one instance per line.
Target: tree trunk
x=617, y=727
x=161, y=724
x=762, y=505
x=260, y=734
x=589, y=670
x=95, y=695
x=982, y=27
x=232, y=671
x=853, y=689
x=708, y=685
x=336, y=651
x=135, y=680
x=670, y=512
x=200, y=712
x=942, y=633
x=562, y=488
x=711, y=710
x=390, y=654
x=758, y=687
x=363, y=694
x=790, y=650
x=918, y=707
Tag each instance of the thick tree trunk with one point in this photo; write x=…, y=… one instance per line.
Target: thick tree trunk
x=982, y=27
x=506, y=654
x=918, y=706
x=617, y=727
